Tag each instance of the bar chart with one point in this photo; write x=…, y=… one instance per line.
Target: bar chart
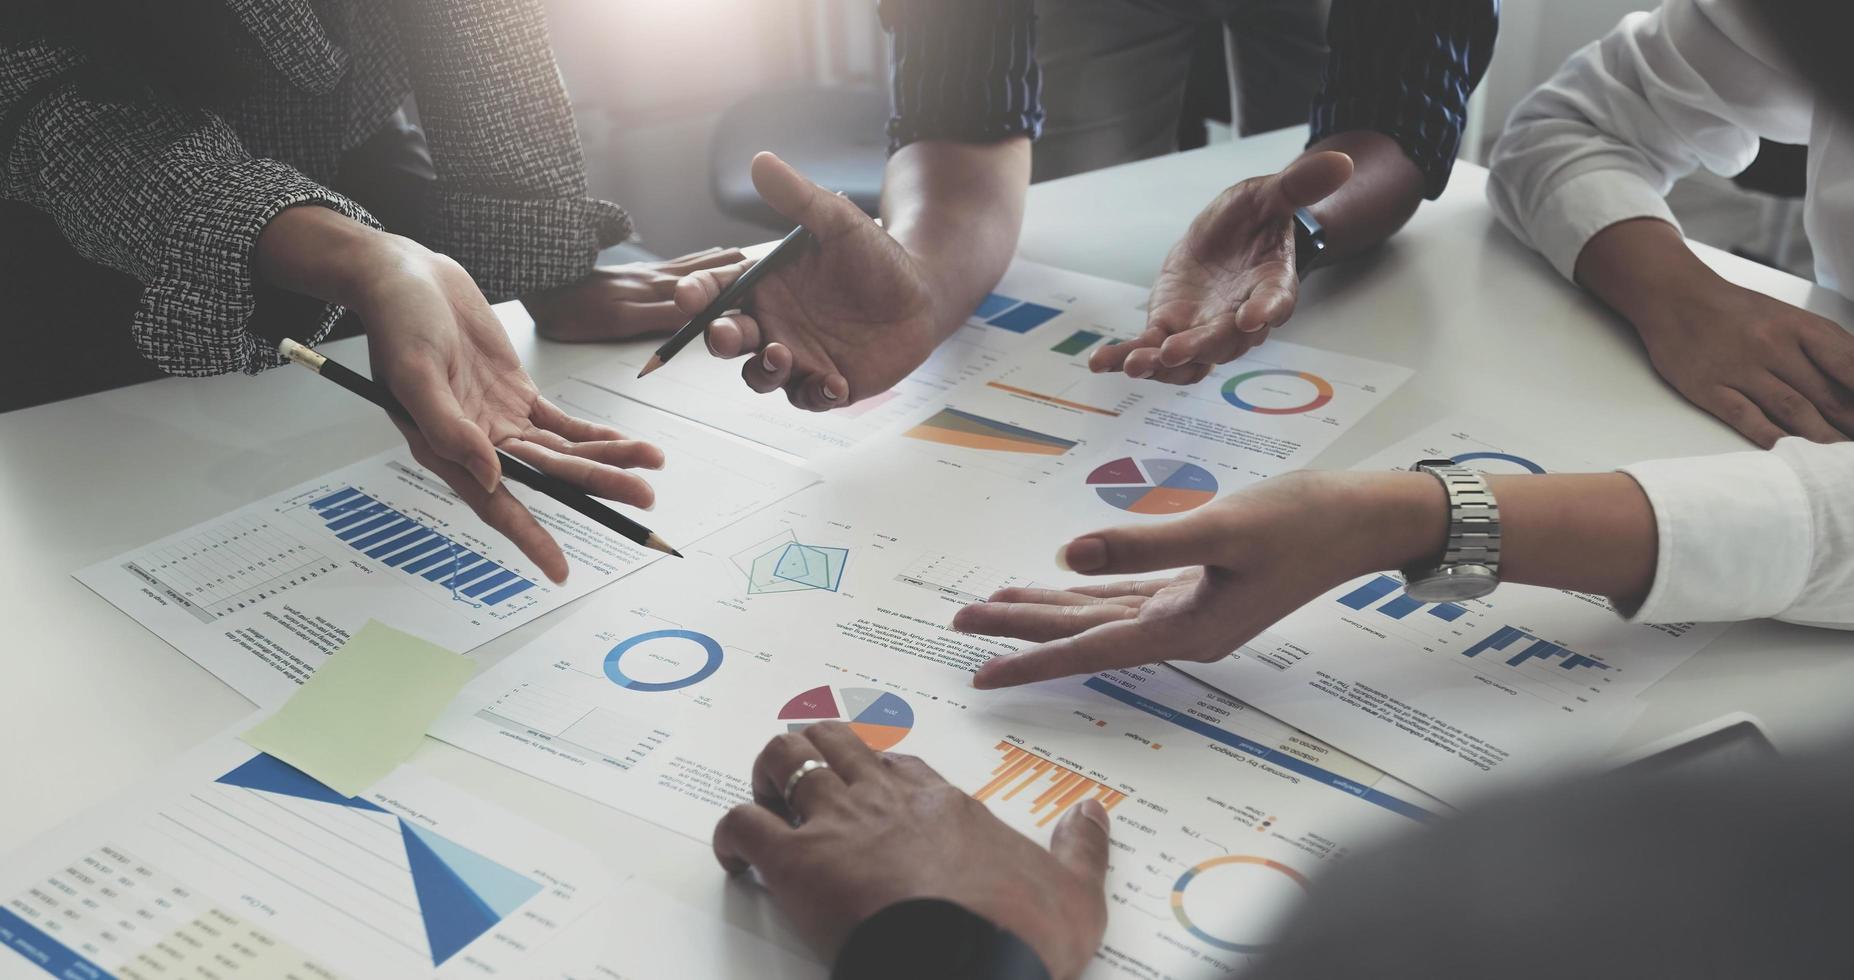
x=222, y=569
x=1543, y=651
x=1061, y=787
x=1367, y=595
x=388, y=536
x=1015, y=315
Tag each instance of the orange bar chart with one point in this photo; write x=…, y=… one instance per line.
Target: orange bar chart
x=1061, y=787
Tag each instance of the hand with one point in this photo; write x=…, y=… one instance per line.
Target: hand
x=1260, y=554
x=1763, y=366
x=874, y=830
x=847, y=319
x=617, y=302
x=1230, y=279
x=435, y=343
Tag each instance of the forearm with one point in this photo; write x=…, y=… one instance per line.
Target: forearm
x=957, y=209
x=1384, y=192
x=1639, y=268
x=1588, y=532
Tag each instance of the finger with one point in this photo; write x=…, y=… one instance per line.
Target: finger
x=1080, y=841
x=1739, y=412
x=1219, y=341
x=1112, y=357
x=1050, y=597
x=499, y=509
x=849, y=757
x=1834, y=402
x=1108, y=647
x=546, y=415
x=695, y=262
x=1036, y=622
x=1142, y=587
x=815, y=393
x=747, y=835
x=1268, y=306
x=911, y=769
x=1832, y=350
x=628, y=453
x=733, y=335
x=773, y=770
x=698, y=289
x=639, y=319
x=824, y=214
x=1313, y=178
x=1142, y=548
x=1791, y=410
x=769, y=371
x=1142, y=363
x=596, y=478
x=452, y=435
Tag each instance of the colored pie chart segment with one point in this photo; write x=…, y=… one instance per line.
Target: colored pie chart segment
x=880, y=718
x=1153, y=486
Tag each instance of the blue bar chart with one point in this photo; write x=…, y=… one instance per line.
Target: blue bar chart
x=1015, y=315
x=390, y=537
x=1544, y=651
x=1371, y=592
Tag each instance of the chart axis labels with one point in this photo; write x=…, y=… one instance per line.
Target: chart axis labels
x=670, y=649
x=1153, y=486
x=880, y=718
x=1260, y=382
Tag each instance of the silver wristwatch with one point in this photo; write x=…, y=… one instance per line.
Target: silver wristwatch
x=1470, y=566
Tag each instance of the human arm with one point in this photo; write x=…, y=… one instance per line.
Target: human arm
x=1730, y=537
x=867, y=304
x=1393, y=100
x=878, y=848
x=439, y=348
x=1580, y=175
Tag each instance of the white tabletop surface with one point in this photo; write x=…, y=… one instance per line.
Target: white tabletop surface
x=89, y=700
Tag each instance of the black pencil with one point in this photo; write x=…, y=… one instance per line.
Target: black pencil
x=729, y=299
x=512, y=468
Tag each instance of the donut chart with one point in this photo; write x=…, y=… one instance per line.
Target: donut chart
x=1153, y=486
x=880, y=718
x=1281, y=402
x=687, y=656
x=1519, y=461
x=1268, y=884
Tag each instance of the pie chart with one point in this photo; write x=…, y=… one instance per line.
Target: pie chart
x=880, y=718
x=1153, y=486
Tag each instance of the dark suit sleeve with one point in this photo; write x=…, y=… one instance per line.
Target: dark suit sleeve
x=932, y=939
x=1406, y=70
x=964, y=70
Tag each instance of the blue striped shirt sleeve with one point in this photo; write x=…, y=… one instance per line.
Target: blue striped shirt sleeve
x=1406, y=70
x=964, y=70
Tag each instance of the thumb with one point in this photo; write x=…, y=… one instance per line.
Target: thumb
x=1143, y=548
x=1313, y=178
x=1080, y=841
x=788, y=192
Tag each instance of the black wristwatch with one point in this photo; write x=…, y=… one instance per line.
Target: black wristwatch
x=1309, y=242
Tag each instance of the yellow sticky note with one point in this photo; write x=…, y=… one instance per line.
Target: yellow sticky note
x=365, y=710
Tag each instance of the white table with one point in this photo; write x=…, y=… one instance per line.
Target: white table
x=89, y=700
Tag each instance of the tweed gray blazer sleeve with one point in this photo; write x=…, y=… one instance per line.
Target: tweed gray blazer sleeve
x=511, y=201
x=164, y=194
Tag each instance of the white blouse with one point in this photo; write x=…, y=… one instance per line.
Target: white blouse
x=1696, y=84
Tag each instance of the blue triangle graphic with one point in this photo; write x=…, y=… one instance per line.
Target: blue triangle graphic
x=266, y=774
x=500, y=888
x=454, y=916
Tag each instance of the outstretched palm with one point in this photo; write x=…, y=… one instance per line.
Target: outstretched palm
x=846, y=320
x=1230, y=279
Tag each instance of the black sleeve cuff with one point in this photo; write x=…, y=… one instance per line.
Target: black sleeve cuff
x=933, y=939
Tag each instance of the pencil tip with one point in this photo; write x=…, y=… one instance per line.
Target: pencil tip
x=651, y=365
x=673, y=551
x=657, y=543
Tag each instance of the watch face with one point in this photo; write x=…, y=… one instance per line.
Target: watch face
x=1451, y=584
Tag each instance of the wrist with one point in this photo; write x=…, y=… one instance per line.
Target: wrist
x=1643, y=269
x=1392, y=520
x=317, y=252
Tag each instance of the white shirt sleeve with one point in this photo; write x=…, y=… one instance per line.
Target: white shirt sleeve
x=1753, y=535
x=1693, y=84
